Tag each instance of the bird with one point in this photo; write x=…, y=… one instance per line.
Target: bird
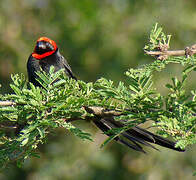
x=46, y=54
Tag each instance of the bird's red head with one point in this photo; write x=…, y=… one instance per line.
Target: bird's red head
x=44, y=48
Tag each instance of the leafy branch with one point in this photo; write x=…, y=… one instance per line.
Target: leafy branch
x=29, y=114
x=159, y=44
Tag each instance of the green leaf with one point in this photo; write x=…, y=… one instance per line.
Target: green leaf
x=24, y=142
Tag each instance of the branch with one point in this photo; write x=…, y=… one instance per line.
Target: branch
x=101, y=112
x=163, y=53
x=7, y=103
x=98, y=111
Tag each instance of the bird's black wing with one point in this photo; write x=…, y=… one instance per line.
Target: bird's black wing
x=67, y=68
x=32, y=67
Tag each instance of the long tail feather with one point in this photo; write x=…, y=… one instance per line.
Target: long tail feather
x=144, y=134
x=135, y=136
x=102, y=126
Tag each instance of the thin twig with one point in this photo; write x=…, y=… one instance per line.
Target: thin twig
x=169, y=53
x=101, y=112
x=163, y=53
x=7, y=103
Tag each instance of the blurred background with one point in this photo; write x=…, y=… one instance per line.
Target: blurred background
x=99, y=39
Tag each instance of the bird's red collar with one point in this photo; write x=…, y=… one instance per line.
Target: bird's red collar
x=41, y=56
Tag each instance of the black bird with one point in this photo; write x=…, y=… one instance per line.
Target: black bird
x=46, y=54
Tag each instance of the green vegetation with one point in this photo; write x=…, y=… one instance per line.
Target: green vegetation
x=40, y=110
x=99, y=39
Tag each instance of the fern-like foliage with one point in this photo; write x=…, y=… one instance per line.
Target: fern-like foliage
x=39, y=110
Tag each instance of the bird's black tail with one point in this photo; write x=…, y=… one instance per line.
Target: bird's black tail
x=136, y=136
